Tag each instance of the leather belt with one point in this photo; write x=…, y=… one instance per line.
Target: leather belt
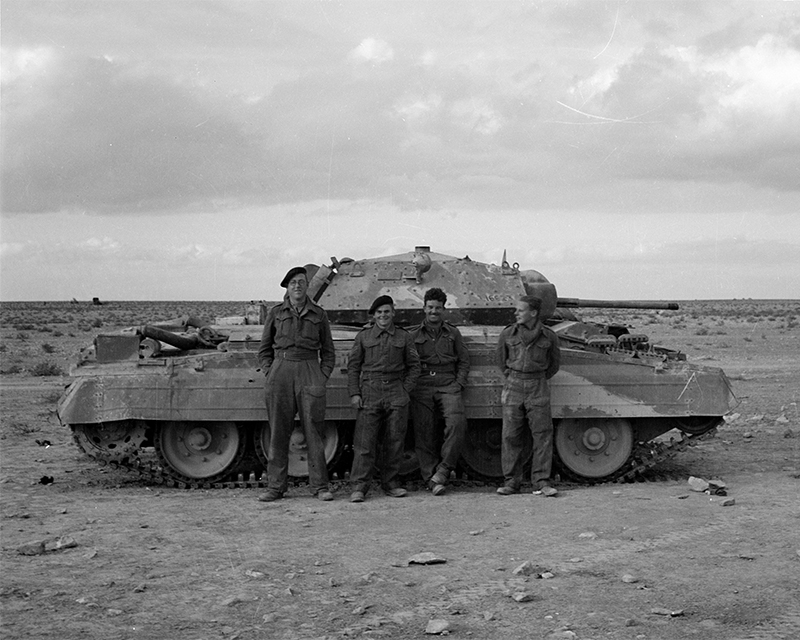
x=297, y=354
x=525, y=375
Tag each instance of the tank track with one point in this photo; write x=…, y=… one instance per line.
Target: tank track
x=644, y=457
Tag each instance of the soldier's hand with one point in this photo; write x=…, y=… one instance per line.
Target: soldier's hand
x=356, y=402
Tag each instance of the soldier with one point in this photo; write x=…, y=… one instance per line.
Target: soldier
x=528, y=356
x=445, y=367
x=297, y=357
x=381, y=372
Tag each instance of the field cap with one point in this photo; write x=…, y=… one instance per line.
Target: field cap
x=379, y=302
x=291, y=274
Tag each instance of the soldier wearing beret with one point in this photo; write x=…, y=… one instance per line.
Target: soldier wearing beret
x=382, y=369
x=297, y=357
x=528, y=356
x=445, y=367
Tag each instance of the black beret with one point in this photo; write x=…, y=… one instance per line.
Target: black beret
x=379, y=302
x=291, y=274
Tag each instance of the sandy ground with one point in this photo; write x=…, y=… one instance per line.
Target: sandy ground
x=650, y=560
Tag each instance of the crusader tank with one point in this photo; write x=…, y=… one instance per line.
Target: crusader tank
x=181, y=402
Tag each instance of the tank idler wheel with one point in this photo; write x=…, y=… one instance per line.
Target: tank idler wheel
x=697, y=425
x=594, y=448
x=298, y=447
x=206, y=451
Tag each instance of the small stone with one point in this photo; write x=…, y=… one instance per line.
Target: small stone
x=488, y=615
x=114, y=612
x=733, y=417
x=728, y=502
x=139, y=588
x=630, y=622
x=546, y=575
x=575, y=559
x=630, y=579
x=269, y=618
x=782, y=420
x=34, y=548
x=436, y=626
x=683, y=496
x=562, y=633
x=250, y=573
x=361, y=609
x=697, y=484
x=747, y=435
x=525, y=569
x=660, y=611
x=522, y=596
x=588, y=535
x=333, y=582
x=477, y=532
x=426, y=558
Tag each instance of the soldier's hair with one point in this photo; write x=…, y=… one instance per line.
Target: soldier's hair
x=534, y=303
x=435, y=293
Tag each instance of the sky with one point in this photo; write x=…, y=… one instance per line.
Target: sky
x=182, y=150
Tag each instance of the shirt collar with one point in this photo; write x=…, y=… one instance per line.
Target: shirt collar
x=378, y=331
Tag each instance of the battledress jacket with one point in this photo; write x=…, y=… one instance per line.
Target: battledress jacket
x=379, y=351
x=528, y=350
x=444, y=351
x=297, y=335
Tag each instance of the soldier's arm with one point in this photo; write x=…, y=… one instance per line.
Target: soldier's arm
x=327, y=349
x=462, y=364
x=266, y=350
x=500, y=355
x=554, y=361
x=413, y=366
x=354, y=362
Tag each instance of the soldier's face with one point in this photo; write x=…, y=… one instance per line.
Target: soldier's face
x=384, y=315
x=433, y=311
x=523, y=313
x=297, y=288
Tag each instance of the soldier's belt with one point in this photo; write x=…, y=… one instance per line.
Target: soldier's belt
x=381, y=377
x=296, y=354
x=526, y=375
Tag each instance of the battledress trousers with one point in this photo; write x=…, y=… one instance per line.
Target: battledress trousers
x=382, y=368
x=445, y=366
x=298, y=353
x=529, y=357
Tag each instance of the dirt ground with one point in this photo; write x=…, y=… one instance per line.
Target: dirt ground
x=646, y=560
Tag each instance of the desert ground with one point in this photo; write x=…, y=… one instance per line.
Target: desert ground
x=644, y=560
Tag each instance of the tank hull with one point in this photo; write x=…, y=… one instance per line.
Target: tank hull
x=653, y=394
x=197, y=395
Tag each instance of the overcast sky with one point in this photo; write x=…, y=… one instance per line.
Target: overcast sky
x=181, y=150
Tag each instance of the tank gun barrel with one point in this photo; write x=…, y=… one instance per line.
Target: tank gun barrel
x=617, y=304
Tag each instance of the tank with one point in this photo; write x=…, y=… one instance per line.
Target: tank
x=181, y=402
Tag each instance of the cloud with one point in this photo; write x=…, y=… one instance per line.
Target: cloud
x=372, y=50
x=98, y=136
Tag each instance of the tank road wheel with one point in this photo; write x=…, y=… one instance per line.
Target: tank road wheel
x=110, y=441
x=482, y=449
x=205, y=451
x=593, y=448
x=298, y=448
